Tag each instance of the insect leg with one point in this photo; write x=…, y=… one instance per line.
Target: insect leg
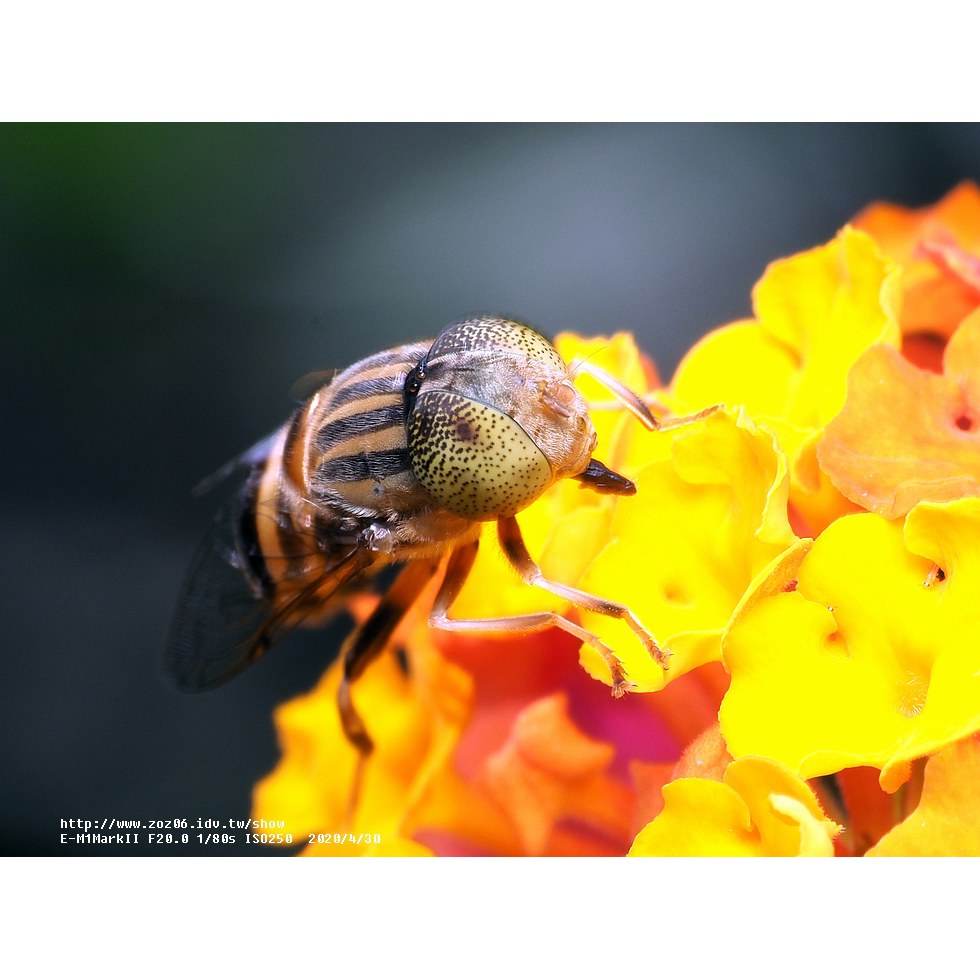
x=459, y=567
x=630, y=400
x=369, y=639
x=512, y=541
x=634, y=404
x=675, y=421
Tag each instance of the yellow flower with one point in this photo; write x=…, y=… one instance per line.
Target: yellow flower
x=709, y=515
x=816, y=313
x=416, y=720
x=872, y=659
x=760, y=809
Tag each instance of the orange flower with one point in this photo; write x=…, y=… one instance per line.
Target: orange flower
x=542, y=733
x=416, y=720
x=906, y=434
x=938, y=249
x=488, y=746
x=947, y=820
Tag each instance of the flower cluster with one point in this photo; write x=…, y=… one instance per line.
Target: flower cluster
x=809, y=553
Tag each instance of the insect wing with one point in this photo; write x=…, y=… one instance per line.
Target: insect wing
x=254, y=456
x=230, y=613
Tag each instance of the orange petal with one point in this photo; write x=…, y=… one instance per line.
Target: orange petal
x=550, y=771
x=925, y=350
x=706, y=757
x=689, y=704
x=947, y=820
x=649, y=779
x=937, y=248
x=906, y=434
x=871, y=812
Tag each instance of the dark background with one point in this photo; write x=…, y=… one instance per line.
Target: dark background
x=162, y=288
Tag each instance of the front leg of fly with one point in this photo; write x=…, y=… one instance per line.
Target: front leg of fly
x=513, y=543
x=633, y=403
x=514, y=547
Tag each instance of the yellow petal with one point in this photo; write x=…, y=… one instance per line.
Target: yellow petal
x=414, y=720
x=761, y=809
x=827, y=306
x=786, y=814
x=871, y=661
x=816, y=312
x=700, y=818
x=708, y=516
x=739, y=364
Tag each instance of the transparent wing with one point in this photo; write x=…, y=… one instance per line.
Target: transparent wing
x=230, y=613
x=252, y=456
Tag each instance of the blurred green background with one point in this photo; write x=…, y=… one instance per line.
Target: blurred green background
x=164, y=285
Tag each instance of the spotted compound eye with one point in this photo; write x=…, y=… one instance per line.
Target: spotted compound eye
x=475, y=460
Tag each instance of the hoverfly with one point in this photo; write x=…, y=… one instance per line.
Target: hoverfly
x=398, y=460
